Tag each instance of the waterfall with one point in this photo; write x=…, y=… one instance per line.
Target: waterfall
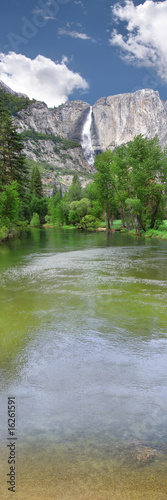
x=86, y=139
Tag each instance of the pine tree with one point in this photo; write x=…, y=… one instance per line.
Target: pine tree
x=36, y=183
x=12, y=159
x=75, y=190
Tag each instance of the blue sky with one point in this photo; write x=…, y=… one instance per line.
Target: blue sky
x=59, y=50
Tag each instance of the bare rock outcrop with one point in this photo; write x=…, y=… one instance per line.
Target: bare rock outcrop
x=117, y=119
x=66, y=121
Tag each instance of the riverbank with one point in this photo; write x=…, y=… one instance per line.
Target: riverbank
x=15, y=232
x=160, y=233
x=12, y=232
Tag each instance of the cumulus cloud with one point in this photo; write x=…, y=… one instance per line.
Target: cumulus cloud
x=145, y=41
x=75, y=34
x=40, y=78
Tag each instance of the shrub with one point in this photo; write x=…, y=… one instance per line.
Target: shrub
x=35, y=222
x=3, y=232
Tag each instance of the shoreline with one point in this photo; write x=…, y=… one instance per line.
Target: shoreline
x=151, y=233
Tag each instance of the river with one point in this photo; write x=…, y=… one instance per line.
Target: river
x=83, y=332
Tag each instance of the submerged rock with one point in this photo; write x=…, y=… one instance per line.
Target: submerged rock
x=141, y=452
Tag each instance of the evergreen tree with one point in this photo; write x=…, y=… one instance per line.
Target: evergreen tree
x=75, y=190
x=12, y=159
x=9, y=205
x=36, y=183
x=55, y=189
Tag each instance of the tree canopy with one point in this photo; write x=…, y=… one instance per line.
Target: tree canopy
x=133, y=178
x=12, y=159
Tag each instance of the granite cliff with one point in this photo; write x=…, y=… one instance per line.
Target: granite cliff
x=56, y=136
x=115, y=119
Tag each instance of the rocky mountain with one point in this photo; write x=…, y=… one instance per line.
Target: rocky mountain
x=54, y=137
x=8, y=90
x=66, y=138
x=117, y=119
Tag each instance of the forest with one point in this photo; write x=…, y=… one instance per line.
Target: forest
x=130, y=185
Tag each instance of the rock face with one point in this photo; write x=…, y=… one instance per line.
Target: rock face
x=117, y=119
x=114, y=120
x=8, y=90
x=66, y=121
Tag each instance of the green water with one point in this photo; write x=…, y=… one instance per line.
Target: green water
x=83, y=349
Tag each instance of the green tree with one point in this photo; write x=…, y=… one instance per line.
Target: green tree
x=134, y=211
x=9, y=205
x=12, y=159
x=35, y=221
x=139, y=172
x=132, y=179
x=96, y=208
x=75, y=190
x=104, y=182
x=54, y=191
x=78, y=209
x=53, y=211
x=39, y=206
x=36, y=183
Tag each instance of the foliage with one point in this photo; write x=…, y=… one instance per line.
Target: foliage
x=12, y=159
x=36, y=183
x=39, y=206
x=89, y=222
x=13, y=103
x=60, y=142
x=75, y=191
x=132, y=179
x=133, y=210
x=9, y=205
x=104, y=184
x=54, y=215
x=130, y=184
x=4, y=232
x=68, y=144
x=35, y=221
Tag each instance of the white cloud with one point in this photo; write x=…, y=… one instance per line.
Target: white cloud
x=45, y=16
x=75, y=34
x=79, y=2
x=145, y=42
x=40, y=78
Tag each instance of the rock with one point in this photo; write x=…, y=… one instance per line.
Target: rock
x=66, y=121
x=142, y=452
x=7, y=89
x=117, y=119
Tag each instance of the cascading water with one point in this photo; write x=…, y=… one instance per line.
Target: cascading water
x=86, y=139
